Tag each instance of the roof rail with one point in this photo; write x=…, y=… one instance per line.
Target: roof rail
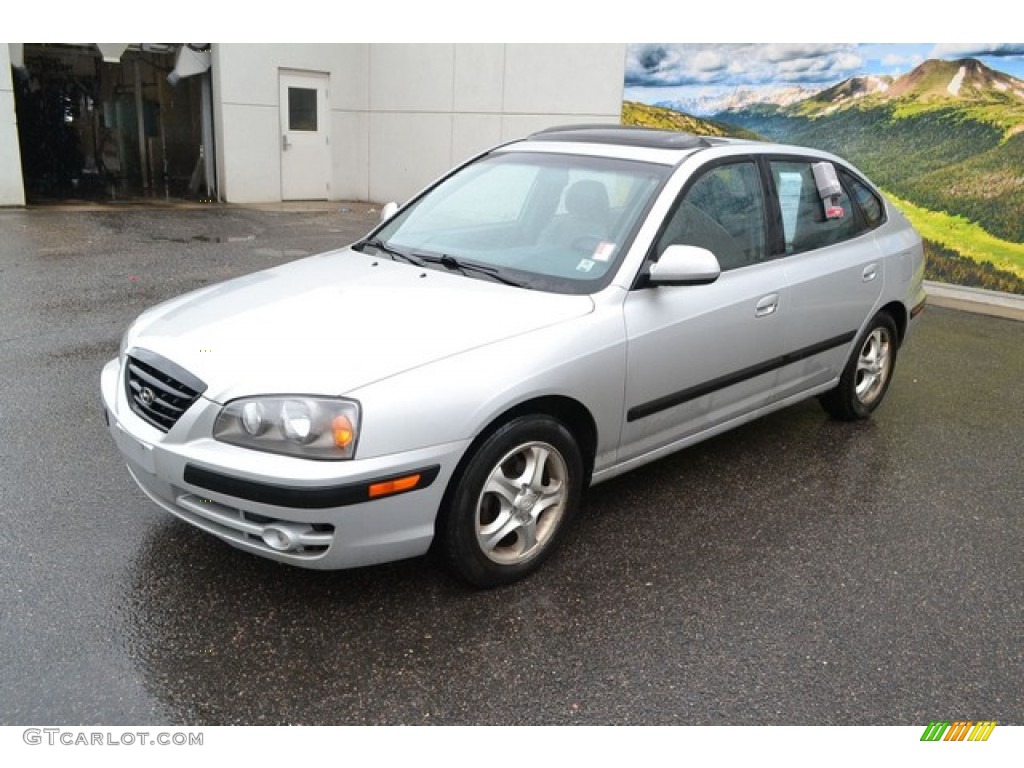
x=633, y=136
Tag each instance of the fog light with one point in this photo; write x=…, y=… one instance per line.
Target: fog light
x=279, y=538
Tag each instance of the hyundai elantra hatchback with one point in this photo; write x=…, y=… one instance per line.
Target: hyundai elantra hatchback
x=555, y=312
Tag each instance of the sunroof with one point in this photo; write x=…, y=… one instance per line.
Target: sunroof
x=624, y=135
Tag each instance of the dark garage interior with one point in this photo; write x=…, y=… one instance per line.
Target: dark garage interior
x=112, y=126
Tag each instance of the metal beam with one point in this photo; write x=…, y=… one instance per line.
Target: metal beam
x=141, y=120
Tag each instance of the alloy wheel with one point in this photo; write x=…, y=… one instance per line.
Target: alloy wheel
x=874, y=364
x=521, y=503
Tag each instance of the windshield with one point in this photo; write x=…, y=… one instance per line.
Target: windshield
x=548, y=221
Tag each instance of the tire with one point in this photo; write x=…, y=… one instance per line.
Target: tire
x=512, y=502
x=867, y=374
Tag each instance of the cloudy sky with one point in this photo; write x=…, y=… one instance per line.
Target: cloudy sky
x=667, y=72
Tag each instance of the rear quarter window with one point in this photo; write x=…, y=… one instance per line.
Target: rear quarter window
x=870, y=205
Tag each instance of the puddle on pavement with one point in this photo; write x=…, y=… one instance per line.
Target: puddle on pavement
x=281, y=252
x=205, y=239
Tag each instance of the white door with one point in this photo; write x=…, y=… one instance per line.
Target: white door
x=305, y=137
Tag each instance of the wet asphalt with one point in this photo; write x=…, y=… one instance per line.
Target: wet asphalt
x=794, y=571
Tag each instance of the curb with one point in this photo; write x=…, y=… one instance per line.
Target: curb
x=976, y=300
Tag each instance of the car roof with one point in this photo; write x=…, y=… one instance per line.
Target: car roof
x=652, y=145
x=623, y=135
x=610, y=140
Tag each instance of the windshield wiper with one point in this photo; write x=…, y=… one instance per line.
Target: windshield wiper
x=380, y=245
x=446, y=261
x=465, y=267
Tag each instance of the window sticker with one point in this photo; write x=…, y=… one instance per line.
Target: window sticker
x=585, y=265
x=826, y=180
x=603, y=252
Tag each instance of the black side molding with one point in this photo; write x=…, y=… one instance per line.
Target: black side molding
x=692, y=393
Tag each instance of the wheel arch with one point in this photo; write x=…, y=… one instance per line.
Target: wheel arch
x=900, y=317
x=570, y=412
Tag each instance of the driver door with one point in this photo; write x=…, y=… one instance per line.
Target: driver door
x=700, y=356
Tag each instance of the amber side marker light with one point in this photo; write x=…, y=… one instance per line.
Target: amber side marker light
x=389, y=487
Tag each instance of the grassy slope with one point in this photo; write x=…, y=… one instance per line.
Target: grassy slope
x=947, y=266
x=963, y=236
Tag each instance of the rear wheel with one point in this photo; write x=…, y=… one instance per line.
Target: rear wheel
x=512, y=502
x=866, y=378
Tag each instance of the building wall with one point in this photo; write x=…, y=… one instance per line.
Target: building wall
x=12, y=190
x=401, y=115
x=247, y=120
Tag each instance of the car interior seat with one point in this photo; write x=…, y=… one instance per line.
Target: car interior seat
x=587, y=213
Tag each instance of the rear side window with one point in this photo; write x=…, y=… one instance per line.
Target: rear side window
x=870, y=206
x=804, y=223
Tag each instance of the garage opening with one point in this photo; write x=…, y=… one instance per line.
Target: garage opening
x=115, y=122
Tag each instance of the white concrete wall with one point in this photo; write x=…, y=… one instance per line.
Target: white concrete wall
x=402, y=114
x=432, y=106
x=247, y=121
x=12, y=188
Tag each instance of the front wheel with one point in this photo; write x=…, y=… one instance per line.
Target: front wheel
x=512, y=502
x=866, y=378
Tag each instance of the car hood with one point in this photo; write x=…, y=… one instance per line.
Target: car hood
x=337, y=321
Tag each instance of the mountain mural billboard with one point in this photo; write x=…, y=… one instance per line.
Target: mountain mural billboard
x=940, y=128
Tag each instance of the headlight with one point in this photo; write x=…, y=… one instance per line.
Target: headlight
x=308, y=427
x=253, y=421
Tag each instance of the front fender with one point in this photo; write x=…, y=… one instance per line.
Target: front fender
x=457, y=397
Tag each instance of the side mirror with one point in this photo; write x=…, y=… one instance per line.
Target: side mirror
x=388, y=210
x=684, y=265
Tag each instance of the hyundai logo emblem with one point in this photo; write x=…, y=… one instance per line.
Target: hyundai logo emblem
x=146, y=396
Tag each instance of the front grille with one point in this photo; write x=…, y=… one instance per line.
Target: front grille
x=159, y=391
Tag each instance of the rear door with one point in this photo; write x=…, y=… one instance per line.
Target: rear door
x=834, y=272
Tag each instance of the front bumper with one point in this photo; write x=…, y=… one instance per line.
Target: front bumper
x=320, y=511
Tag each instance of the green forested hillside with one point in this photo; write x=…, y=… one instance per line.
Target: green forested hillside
x=947, y=136
x=987, y=188
x=634, y=113
x=950, y=168
x=945, y=140
x=938, y=159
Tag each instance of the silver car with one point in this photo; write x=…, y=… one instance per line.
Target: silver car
x=555, y=312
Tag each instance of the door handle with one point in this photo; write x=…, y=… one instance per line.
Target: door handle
x=870, y=273
x=767, y=305
x=285, y=144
